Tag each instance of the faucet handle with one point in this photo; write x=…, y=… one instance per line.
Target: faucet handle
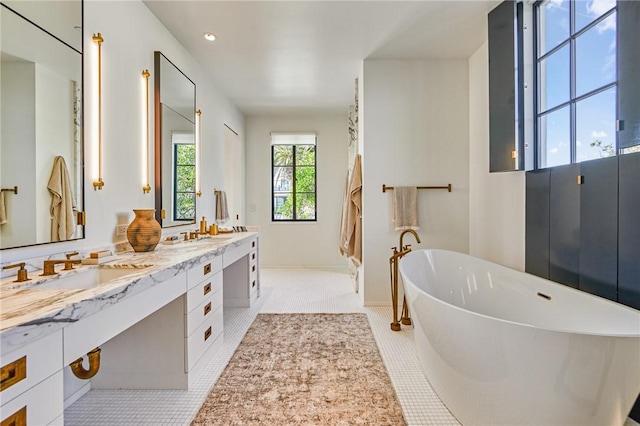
x=22, y=272
x=70, y=255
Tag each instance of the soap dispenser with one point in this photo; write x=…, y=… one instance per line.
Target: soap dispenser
x=203, y=225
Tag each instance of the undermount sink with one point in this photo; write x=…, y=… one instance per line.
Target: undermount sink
x=84, y=279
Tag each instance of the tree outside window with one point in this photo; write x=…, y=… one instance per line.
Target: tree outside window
x=293, y=182
x=184, y=194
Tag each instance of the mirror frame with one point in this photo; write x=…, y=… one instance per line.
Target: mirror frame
x=158, y=142
x=80, y=194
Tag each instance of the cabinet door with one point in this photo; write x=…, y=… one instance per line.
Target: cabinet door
x=564, y=225
x=505, y=95
x=537, y=223
x=628, y=72
x=629, y=225
x=599, y=227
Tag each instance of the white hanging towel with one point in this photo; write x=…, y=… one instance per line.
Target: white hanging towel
x=63, y=203
x=222, y=211
x=405, y=207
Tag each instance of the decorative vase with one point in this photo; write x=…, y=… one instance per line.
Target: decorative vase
x=144, y=231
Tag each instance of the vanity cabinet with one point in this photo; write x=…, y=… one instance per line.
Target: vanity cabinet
x=157, y=331
x=32, y=383
x=241, y=274
x=203, y=310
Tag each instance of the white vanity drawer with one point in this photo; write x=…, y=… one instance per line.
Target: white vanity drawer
x=203, y=337
x=203, y=270
x=29, y=365
x=202, y=312
x=203, y=291
x=41, y=405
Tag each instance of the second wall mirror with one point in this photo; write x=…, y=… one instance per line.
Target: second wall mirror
x=175, y=148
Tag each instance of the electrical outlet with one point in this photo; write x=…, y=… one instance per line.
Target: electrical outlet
x=121, y=230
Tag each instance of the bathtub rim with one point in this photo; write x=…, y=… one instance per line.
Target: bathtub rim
x=551, y=329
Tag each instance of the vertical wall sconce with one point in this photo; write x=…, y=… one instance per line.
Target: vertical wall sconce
x=98, y=184
x=198, y=136
x=146, y=188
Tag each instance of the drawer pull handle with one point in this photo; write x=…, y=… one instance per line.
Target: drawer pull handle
x=253, y=256
x=19, y=418
x=207, y=333
x=253, y=268
x=13, y=372
x=253, y=244
x=253, y=284
x=207, y=289
x=207, y=268
x=207, y=308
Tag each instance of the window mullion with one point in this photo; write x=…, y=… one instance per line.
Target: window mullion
x=293, y=184
x=572, y=83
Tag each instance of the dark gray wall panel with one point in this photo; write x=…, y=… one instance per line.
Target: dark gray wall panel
x=629, y=236
x=502, y=86
x=564, y=225
x=629, y=72
x=537, y=223
x=599, y=227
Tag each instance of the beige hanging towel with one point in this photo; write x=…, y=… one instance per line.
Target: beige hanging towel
x=63, y=203
x=351, y=239
x=222, y=211
x=405, y=207
x=3, y=209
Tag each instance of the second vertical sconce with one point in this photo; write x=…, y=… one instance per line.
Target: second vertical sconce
x=98, y=184
x=146, y=188
x=198, y=137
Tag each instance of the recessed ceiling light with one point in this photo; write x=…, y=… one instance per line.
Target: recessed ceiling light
x=209, y=36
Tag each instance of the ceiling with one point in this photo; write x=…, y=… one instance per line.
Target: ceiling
x=301, y=57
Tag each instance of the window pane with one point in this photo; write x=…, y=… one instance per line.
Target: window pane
x=305, y=206
x=305, y=179
x=282, y=155
x=186, y=179
x=555, y=138
x=282, y=179
x=553, y=19
x=595, y=58
x=283, y=207
x=596, y=126
x=185, y=154
x=554, y=79
x=185, y=206
x=589, y=10
x=305, y=155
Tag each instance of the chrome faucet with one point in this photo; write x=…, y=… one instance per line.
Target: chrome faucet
x=48, y=266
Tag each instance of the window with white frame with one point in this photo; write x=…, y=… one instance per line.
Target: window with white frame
x=576, y=80
x=293, y=178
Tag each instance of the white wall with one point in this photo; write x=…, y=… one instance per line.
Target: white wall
x=298, y=244
x=131, y=35
x=497, y=200
x=415, y=132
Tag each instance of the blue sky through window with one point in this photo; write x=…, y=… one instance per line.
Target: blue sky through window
x=595, y=67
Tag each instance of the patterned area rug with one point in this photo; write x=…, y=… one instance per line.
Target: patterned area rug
x=303, y=369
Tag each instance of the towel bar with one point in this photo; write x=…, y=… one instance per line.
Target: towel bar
x=14, y=190
x=448, y=187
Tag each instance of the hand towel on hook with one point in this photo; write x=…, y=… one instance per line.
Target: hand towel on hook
x=222, y=211
x=405, y=207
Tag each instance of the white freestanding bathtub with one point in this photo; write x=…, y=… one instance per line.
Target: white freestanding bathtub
x=502, y=347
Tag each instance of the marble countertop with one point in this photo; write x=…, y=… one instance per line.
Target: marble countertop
x=33, y=309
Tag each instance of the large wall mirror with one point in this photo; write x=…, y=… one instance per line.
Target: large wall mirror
x=40, y=122
x=175, y=162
